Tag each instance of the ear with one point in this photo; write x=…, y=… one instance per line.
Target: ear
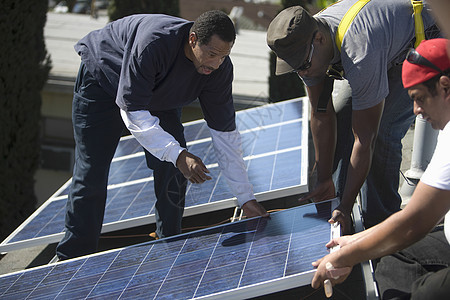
x=192, y=39
x=319, y=37
x=444, y=81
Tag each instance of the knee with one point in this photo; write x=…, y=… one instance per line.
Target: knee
x=433, y=285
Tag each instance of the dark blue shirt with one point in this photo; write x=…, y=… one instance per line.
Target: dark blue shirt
x=140, y=61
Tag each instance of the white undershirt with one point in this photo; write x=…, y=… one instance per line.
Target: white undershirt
x=146, y=130
x=437, y=173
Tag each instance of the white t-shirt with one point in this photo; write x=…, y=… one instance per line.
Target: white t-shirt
x=437, y=173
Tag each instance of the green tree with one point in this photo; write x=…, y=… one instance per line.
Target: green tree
x=24, y=67
x=324, y=3
x=121, y=8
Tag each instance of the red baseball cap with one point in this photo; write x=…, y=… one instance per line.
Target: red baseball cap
x=434, y=50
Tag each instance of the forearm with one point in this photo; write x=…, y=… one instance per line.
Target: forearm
x=365, y=124
x=426, y=207
x=356, y=236
x=323, y=130
x=358, y=168
x=386, y=238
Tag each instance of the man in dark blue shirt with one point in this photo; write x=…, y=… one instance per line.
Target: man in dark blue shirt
x=140, y=71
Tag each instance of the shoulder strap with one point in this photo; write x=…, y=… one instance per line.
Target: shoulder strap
x=354, y=10
x=325, y=94
x=347, y=20
x=418, y=22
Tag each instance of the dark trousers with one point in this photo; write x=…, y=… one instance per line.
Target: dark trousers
x=97, y=129
x=421, y=271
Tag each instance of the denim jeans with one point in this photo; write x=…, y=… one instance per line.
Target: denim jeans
x=98, y=127
x=379, y=193
x=421, y=271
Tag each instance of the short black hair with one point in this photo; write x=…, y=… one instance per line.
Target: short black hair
x=430, y=84
x=214, y=22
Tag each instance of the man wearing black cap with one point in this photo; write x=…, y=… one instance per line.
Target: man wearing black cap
x=421, y=271
x=358, y=136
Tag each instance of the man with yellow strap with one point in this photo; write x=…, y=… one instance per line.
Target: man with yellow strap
x=357, y=136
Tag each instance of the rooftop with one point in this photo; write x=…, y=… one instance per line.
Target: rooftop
x=250, y=57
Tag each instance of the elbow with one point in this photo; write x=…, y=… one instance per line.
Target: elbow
x=409, y=232
x=412, y=236
x=322, y=116
x=365, y=143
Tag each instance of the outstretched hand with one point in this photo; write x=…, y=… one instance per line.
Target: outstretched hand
x=192, y=167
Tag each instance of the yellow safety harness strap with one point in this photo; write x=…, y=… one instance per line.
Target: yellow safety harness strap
x=354, y=10
x=347, y=20
x=418, y=22
x=345, y=24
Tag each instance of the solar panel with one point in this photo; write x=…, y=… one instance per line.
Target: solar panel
x=234, y=261
x=275, y=146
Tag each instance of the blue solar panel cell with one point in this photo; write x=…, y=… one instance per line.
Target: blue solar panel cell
x=287, y=165
x=293, y=110
x=225, y=259
x=128, y=146
x=290, y=134
x=195, y=131
x=130, y=200
x=51, y=217
x=6, y=282
x=274, y=147
x=205, y=151
x=128, y=170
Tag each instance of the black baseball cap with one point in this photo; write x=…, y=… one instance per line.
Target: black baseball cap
x=289, y=35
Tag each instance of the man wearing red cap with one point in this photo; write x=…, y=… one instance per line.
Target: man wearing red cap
x=421, y=271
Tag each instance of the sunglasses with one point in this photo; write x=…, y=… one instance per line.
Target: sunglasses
x=414, y=57
x=307, y=63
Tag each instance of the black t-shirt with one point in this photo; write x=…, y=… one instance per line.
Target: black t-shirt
x=140, y=61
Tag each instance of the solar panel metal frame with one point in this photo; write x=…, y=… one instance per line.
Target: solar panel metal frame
x=7, y=245
x=10, y=282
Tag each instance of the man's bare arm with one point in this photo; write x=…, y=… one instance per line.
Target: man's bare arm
x=365, y=124
x=323, y=129
x=425, y=209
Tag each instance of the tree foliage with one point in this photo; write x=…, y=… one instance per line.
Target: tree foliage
x=24, y=67
x=121, y=8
